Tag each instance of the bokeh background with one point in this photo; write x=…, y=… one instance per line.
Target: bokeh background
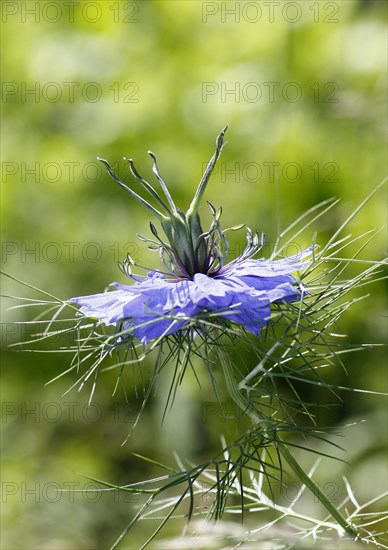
x=302, y=86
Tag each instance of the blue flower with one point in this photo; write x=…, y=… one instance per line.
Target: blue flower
x=197, y=282
x=158, y=306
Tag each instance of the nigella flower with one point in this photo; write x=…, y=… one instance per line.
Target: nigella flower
x=196, y=281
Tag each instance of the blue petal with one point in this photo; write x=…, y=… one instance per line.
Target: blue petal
x=252, y=316
x=273, y=277
x=108, y=307
x=233, y=299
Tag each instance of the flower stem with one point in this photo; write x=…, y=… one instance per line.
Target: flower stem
x=348, y=528
x=247, y=407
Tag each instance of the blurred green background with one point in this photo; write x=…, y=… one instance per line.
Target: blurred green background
x=302, y=86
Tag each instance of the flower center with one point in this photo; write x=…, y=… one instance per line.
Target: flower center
x=188, y=250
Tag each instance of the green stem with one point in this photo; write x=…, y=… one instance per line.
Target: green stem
x=247, y=407
x=350, y=530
